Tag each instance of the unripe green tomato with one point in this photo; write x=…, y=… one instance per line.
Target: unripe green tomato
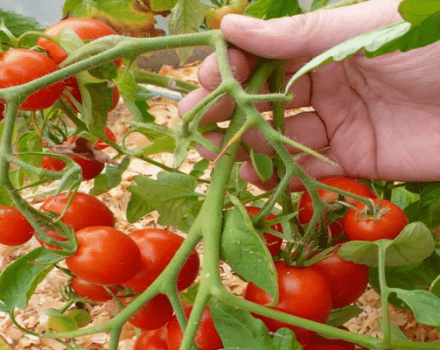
x=214, y=16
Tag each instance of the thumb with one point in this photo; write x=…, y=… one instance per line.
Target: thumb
x=308, y=34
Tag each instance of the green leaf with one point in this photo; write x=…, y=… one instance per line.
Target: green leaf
x=282, y=8
x=190, y=294
x=134, y=97
x=106, y=71
x=159, y=145
x=258, y=8
x=262, y=164
x=19, y=280
x=5, y=198
x=427, y=209
x=126, y=12
x=18, y=24
x=412, y=245
x=317, y=4
x=199, y=168
x=172, y=195
x=59, y=322
x=425, y=305
x=70, y=5
x=284, y=339
x=111, y=178
x=82, y=317
x=417, y=11
x=402, y=197
x=342, y=315
x=162, y=5
x=245, y=251
x=186, y=17
x=237, y=328
x=395, y=332
x=435, y=287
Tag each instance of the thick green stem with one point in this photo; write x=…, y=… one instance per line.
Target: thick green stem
x=384, y=293
x=144, y=77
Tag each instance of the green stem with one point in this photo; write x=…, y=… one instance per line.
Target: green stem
x=182, y=86
x=384, y=293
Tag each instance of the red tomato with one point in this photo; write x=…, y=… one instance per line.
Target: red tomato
x=76, y=93
x=318, y=343
x=385, y=223
x=2, y=109
x=19, y=66
x=104, y=256
x=14, y=228
x=84, y=211
x=206, y=337
x=347, y=280
x=88, y=290
x=100, y=144
x=152, y=340
x=305, y=204
x=51, y=163
x=157, y=249
x=153, y=315
x=303, y=293
x=325, y=346
x=273, y=242
x=85, y=28
x=52, y=234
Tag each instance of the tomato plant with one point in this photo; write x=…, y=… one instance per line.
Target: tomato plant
x=100, y=144
x=152, y=340
x=206, y=337
x=214, y=16
x=76, y=93
x=90, y=291
x=83, y=211
x=273, y=242
x=14, y=228
x=104, y=256
x=303, y=292
x=385, y=222
x=19, y=66
x=157, y=247
x=154, y=314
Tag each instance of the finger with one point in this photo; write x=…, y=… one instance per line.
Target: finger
x=216, y=138
x=248, y=173
x=219, y=111
x=308, y=34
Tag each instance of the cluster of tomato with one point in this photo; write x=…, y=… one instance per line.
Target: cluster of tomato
x=19, y=66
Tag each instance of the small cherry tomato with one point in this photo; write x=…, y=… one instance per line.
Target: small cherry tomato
x=19, y=66
x=157, y=248
x=303, y=292
x=84, y=210
x=385, y=223
x=214, y=16
x=273, y=242
x=346, y=279
x=206, y=337
x=305, y=203
x=51, y=163
x=104, y=256
x=14, y=228
x=88, y=290
x=100, y=144
x=152, y=340
x=154, y=314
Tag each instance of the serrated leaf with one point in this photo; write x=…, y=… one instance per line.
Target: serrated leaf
x=19, y=280
x=110, y=178
x=412, y=245
x=425, y=305
x=342, y=315
x=237, y=328
x=262, y=164
x=245, y=251
x=172, y=195
x=18, y=24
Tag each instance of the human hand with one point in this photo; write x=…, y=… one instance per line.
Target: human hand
x=376, y=118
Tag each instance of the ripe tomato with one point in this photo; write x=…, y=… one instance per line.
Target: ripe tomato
x=325, y=346
x=84, y=211
x=104, y=256
x=347, y=280
x=206, y=337
x=85, y=28
x=14, y=228
x=100, y=144
x=157, y=248
x=214, y=16
x=320, y=343
x=303, y=292
x=305, y=203
x=76, y=93
x=273, y=242
x=385, y=223
x=152, y=340
x=2, y=109
x=19, y=66
x=51, y=163
x=153, y=315
x=52, y=234
x=88, y=290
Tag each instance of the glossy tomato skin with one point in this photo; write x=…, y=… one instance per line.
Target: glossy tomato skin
x=104, y=256
x=85, y=28
x=157, y=248
x=84, y=211
x=53, y=164
x=88, y=290
x=346, y=279
x=303, y=292
x=305, y=204
x=152, y=340
x=273, y=242
x=14, y=228
x=154, y=314
x=206, y=337
x=19, y=66
x=385, y=224
x=100, y=144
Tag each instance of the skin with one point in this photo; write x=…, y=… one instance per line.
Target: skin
x=376, y=118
